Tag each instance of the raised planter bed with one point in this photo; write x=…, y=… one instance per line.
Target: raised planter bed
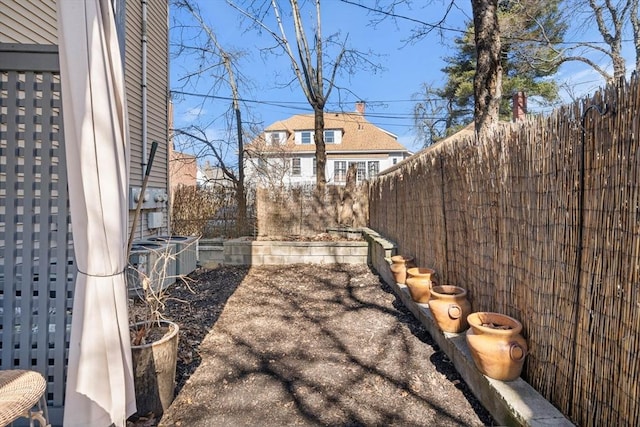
x=336, y=246
x=258, y=252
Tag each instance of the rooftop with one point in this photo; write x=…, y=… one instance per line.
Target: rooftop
x=358, y=134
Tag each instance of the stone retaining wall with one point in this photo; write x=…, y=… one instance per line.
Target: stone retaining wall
x=251, y=252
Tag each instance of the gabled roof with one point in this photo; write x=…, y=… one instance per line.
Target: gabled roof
x=358, y=134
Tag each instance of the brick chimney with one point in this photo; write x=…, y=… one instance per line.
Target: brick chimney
x=519, y=106
x=360, y=107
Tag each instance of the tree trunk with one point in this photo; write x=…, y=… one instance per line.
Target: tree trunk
x=635, y=24
x=487, y=83
x=321, y=155
x=241, y=199
x=619, y=64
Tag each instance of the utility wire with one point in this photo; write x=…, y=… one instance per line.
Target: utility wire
x=280, y=103
x=459, y=31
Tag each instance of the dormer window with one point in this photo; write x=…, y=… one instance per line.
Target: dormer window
x=274, y=138
x=329, y=137
x=305, y=137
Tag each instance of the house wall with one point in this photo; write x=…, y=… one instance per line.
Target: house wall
x=41, y=29
x=385, y=160
x=157, y=83
x=41, y=16
x=183, y=170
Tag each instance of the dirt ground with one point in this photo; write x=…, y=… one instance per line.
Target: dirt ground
x=311, y=345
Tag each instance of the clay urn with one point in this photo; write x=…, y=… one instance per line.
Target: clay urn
x=419, y=281
x=450, y=307
x=497, y=347
x=399, y=266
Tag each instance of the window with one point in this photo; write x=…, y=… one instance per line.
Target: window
x=295, y=166
x=339, y=171
x=329, y=137
x=274, y=138
x=361, y=171
x=315, y=166
x=305, y=137
x=395, y=160
x=374, y=168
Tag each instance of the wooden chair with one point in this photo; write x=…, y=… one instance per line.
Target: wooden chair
x=22, y=395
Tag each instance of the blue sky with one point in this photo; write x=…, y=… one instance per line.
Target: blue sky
x=388, y=92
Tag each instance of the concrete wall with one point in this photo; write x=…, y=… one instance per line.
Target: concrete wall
x=248, y=252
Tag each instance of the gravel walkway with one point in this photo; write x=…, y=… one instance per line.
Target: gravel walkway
x=317, y=345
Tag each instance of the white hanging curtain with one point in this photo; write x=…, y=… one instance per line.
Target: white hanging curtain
x=99, y=390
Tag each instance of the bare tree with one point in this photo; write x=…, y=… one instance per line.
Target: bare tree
x=487, y=82
x=611, y=18
x=268, y=162
x=314, y=71
x=212, y=56
x=433, y=115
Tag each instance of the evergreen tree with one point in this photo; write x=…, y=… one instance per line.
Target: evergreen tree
x=527, y=61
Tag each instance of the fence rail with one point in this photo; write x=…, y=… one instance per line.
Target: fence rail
x=540, y=221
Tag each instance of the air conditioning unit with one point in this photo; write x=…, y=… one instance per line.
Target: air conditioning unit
x=153, y=260
x=186, y=252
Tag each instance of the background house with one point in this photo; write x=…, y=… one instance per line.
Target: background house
x=37, y=272
x=285, y=153
x=183, y=170
x=213, y=178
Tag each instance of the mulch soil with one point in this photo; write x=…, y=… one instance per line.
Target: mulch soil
x=309, y=345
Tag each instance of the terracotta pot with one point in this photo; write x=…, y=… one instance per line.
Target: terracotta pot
x=450, y=308
x=399, y=267
x=498, y=353
x=419, y=282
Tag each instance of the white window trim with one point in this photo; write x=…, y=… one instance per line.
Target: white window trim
x=296, y=170
x=299, y=137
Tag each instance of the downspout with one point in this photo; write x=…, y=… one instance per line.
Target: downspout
x=143, y=163
x=169, y=135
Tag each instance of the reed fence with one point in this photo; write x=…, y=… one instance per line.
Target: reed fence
x=540, y=221
x=300, y=211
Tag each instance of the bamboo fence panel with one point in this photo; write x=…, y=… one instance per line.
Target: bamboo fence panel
x=541, y=221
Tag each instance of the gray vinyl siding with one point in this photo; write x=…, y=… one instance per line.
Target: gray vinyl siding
x=34, y=22
x=157, y=96
x=41, y=16
x=133, y=73
x=158, y=85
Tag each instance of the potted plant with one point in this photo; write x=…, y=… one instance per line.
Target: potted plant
x=154, y=339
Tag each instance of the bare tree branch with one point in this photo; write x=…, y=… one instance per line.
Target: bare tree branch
x=237, y=178
x=308, y=66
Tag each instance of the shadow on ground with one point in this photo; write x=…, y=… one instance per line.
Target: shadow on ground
x=195, y=305
x=318, y=345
